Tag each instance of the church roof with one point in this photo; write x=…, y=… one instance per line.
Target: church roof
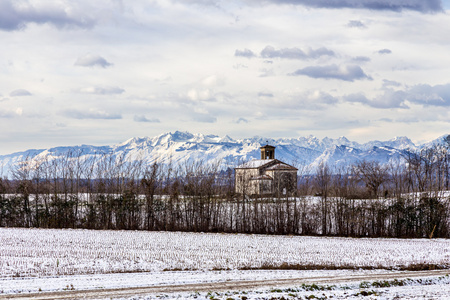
x=255, y=164
x=268, y=164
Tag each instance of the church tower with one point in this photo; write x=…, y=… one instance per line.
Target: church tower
x=267, y=152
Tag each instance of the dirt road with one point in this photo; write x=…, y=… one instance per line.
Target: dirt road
x=221, y=286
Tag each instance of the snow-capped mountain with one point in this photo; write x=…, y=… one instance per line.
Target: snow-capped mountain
x=180, y=147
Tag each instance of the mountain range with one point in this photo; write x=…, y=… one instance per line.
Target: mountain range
x=180, y=147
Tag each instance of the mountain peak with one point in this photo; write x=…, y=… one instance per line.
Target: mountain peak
x=182, y=146
x=226, y=139
x=343, y=140
x=181, y=136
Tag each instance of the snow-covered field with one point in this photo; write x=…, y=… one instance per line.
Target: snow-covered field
x=50, y=252
x=39, y=260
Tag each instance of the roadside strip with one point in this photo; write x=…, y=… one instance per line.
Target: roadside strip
x=221, y=286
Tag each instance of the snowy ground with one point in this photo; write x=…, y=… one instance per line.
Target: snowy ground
x=49, y=260
x=124, y=280
x=431, y=288
x=51, y=252
x=321, y=284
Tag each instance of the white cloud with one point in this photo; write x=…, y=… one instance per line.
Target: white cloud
x=200, y=95
x=91, y=114
x=204, y=118
x=11, y=113
x=294, y=101
x=213, y=80
x=97, y=90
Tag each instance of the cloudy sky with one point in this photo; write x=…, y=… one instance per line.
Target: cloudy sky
x=100, y=72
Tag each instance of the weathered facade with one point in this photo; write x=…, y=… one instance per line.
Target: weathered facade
x=266, y=176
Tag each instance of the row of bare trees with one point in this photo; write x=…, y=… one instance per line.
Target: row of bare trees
x=407, y=198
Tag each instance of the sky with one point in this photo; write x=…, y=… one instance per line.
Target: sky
x=101, y=72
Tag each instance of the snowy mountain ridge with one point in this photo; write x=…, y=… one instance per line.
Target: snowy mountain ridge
x=180, y=147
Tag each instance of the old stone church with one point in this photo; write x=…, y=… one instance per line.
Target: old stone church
x=266, y=176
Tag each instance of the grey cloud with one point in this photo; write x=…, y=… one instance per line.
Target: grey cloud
x=427, y=95
x=384, y=51
x=267, y=72
x=241, y=120
x=142, y=118
x=387, y=120
x=327, y=99
x=244, y=53
x=214, y=3
x=91, y=114
x=91, y=60
x=320, y=52
x=423, y=94
x=307, y=100
x=265, y=94
x=6, y=114
x=424, y=6
x=356, y=24
x=408, y=119
x=390, y=99
x=387, y=83
x=101, y=90
x=361, y=59
x=20, y=93
x=314, y=100
x=356, y=98
x=295, y=53
x=15, y=15
x=346, y=73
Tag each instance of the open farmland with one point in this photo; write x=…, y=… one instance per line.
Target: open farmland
x=49, y=252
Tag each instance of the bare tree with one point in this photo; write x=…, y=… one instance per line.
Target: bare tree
x=323, y=182
x=373, y=174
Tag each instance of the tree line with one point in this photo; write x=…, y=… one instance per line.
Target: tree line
x=405, y=198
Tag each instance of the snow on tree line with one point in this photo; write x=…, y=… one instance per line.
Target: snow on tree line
x=403, y=199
